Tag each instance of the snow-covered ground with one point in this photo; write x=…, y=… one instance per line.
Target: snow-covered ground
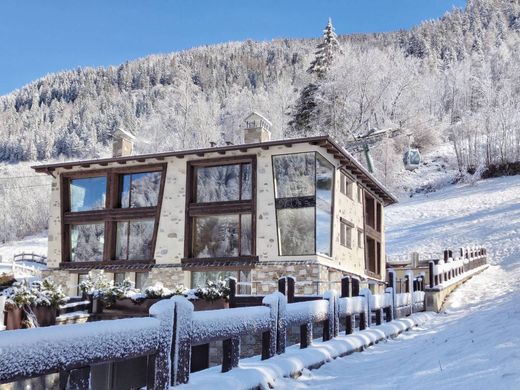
x=475, y=343
x=32, y=244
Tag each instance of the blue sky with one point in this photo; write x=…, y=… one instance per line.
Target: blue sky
x=39, y=37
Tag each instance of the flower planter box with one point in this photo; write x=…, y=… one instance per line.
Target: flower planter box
x=201, y=304
x=45, y=315
x=14, y=318
x=127, y=305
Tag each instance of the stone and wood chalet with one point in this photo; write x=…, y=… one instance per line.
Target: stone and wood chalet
x=256, y=211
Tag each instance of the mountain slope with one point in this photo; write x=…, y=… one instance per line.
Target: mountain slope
x=435, y=81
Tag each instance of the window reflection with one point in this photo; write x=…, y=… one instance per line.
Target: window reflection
x=88, y=194
x=140, y=189
x=216, y=236
x=294, y=175
x=222, y=236
x=86, y=242
x=296, y=231
x=303, y=192
x=223, y=183
x=134, y=240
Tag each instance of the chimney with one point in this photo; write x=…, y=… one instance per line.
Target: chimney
x=122, y=143
x=257, y=128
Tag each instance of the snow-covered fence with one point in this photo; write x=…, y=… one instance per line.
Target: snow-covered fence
x=449, y=270
x=72, y=349
x=285, y=285
x=33, y=257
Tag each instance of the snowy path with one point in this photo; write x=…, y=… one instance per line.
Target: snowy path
x=476, y=342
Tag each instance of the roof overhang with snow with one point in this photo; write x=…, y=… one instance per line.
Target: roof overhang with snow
x=346, y=160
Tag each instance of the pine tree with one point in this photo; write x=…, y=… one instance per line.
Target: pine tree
x=325, y=52
x=306, y=110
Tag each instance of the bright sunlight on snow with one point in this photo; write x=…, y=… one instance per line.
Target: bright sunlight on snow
x=474, y=343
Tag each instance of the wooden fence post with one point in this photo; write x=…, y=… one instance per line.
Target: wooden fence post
x=409, y=287
x=230, y=353
x=281, y=325
x=173, y=334
x=282, y=285
x=345, y=286
x=232, y=283
x=366, y=314
x=389, y=310
x=305, y=335
x=269, y=342
x=181, y=343
x=392, y=282
x=290, y=289
x=331, y=325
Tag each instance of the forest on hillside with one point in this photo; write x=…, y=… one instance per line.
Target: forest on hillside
x=453, y=80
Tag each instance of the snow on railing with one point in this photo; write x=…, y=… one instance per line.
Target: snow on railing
x=450, y=270
x=175, y=328
x=71, y=349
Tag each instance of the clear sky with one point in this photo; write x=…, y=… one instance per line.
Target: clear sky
x=44, y=36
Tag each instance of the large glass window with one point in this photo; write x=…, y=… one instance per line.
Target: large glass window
x=294, y=175
x=223, y=183
x=222, y=236
x=87, y=242
x=296, y=231
x=226, y=229
x=110, y=199
x=134, y=239
x=303, y=199
x=140, y=189
x=88, y=194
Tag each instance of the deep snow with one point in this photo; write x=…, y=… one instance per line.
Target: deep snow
x=475, y=343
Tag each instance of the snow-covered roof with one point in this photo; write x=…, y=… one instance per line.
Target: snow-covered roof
x=333, y=148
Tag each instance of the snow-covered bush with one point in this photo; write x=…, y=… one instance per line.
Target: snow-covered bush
x=94, y=282
x=213, y=291
x=19, y=295
x=48, y=293
x=158, y=291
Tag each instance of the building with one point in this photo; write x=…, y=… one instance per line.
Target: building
x=256, y=211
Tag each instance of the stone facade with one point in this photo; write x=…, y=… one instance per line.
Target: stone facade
x=314, y=273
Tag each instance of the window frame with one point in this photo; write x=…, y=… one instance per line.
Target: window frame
x=194, y=209
x=344, y=225
x=346, y=186
x=110, y=215
x=303, y=202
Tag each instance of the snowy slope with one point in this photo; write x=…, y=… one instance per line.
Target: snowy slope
x=475, y=343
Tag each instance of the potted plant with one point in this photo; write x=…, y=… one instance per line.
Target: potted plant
x=49, y=296
x=19, y=298
x=93, y=288
x=212, y=297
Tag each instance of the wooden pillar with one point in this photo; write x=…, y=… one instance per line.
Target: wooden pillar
x=290, y=289
x=269, y=342
x=379, y=316
x=282, y=285
x=232, y=282
x=305, y=335
x=345, y=287
x=230, y=353
x=350, y=324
